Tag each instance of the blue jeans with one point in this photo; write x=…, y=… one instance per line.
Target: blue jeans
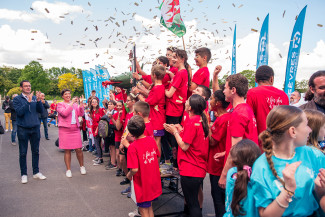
x=25, y=135
x=44, y=120
x=14, y=131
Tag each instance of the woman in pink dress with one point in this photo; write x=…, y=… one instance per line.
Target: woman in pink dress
x=69, y=132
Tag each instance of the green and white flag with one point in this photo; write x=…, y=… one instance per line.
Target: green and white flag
x=171, y=17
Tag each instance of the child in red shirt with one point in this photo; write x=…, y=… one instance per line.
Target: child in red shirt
x=95, y=114
x=118, y=120
x=217, y=149
x=144, y=166
x=156, y=100
x=242, y=123
x=192, y=157
x=53, y=113
x=118, y=95
x=147, y=81
x=177, y=94
x=130, y=101
x=202, y=76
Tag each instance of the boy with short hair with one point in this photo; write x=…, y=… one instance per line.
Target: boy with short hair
x=242, y=122
x=142, y=109
x=157, y=102
x=202, y=76
x=144, y=168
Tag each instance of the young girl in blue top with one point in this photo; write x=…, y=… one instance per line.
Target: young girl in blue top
x=239, y=197
x=316, y=121
x=289, y=176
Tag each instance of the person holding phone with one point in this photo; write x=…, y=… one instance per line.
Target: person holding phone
x=69, y=133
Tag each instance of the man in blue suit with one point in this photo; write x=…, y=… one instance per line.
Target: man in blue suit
x=27, y=108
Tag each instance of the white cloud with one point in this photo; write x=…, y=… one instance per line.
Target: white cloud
x=18, y=15
x=17, y=49
x=40, y=9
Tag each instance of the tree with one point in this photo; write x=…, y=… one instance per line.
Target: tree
x=12, y=91
x=302, y=86
x=250, y=75
x=36, y=75
x=69, y=81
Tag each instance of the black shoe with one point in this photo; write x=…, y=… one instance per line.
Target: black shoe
x=125, y=181
x=123, y=173
x=47, y=138
x=49, y=125
x=118, y=172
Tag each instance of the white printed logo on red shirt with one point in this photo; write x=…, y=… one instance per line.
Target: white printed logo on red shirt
x=149, y=157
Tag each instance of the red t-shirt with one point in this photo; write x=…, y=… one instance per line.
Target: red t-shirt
x=156, y=100
x=120, y=96
x=262, y=100
x=127, y=118
x=174, y=70
x=143, y=154
x=242, y=123
x=219, y=133
x=149, y=129
x=193, y=162
x=53, y=107
x=118, y=133
x=165, y=81
x=202, y=77
x=175, y=104
x=95, y=117
x=185, y=118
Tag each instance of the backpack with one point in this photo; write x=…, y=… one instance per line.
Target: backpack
x=103, y=129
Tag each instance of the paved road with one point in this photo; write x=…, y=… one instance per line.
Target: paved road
x=96, y=194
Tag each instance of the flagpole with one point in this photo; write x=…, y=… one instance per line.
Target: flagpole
x=183, y=42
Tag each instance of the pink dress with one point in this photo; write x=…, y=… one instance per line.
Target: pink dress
x=69, y=134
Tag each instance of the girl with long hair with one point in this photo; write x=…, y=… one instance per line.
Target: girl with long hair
x=240, y=201
x=316, y=122
x=289, y=176
x=95, y=114
x=176, y=95
x=193, y=142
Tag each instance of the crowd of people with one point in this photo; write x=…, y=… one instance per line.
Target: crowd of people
x=264, y=155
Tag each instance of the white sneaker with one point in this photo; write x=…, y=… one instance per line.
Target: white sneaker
x=83, y=170
x=11, y=130
x=24, y=179
x=13, y=143
x=134, y=213
x=6, y=130
x=39, y=176
x=68, y=174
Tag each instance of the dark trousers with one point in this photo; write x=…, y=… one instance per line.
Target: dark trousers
x=190, y=187
x=171, y=138
x=14, y=131
x=25, y=135
x=44, y=120
x=98, y=146
x=218, y=195
x=166, y=152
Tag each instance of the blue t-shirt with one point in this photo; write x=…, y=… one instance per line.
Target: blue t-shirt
x=266, y=187
x=247, y=203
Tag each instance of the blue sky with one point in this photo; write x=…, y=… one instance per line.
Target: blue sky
x=204, y=17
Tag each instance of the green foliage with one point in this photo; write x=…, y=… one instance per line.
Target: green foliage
x=44, y=80
x=250, y=75
x=12, y=91
x=70, y=81
x=36, y=75
x=302, y=86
